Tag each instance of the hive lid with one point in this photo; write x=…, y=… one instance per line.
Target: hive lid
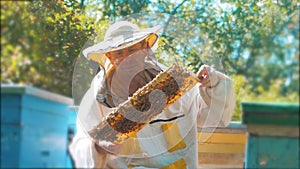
x=286, y=114
x=23, y=89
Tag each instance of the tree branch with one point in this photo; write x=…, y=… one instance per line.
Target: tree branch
x=81, y=4
x=171, y=16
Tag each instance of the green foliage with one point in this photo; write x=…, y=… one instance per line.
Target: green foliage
x=40, y=42
x=115, y=9
x=245, y=92
x=254, y=42
x=111, y=10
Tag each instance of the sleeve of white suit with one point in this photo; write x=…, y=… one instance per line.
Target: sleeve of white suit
x=217, y=103
x=82, y=148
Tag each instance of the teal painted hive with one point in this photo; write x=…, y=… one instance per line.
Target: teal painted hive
x=72, y=117
x=273, y=140
x=34, y=127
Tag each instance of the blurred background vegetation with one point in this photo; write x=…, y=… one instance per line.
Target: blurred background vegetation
x=257, y=42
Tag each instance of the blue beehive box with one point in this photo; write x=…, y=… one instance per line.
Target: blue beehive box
x=34, y=126
x=273, y=140
x=72, y=117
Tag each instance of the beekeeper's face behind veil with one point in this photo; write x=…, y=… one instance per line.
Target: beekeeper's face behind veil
x=134, y=67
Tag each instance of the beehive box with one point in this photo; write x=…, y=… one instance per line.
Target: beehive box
x=273, y=140
x=72, y=117
x=34, y=126
x=222, y=147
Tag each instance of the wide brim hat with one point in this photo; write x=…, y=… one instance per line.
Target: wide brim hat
x=121, y=35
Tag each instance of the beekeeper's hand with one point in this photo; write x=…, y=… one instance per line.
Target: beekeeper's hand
x=208, y=76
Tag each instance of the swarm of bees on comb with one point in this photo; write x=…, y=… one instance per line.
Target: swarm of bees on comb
x=145, y=104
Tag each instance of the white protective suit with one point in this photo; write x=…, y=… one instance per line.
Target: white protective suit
x=162, y=144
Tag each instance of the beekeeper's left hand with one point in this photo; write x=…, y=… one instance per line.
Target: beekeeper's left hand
x=208, y=76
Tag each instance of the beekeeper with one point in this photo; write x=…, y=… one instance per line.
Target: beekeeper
x=127, y=61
